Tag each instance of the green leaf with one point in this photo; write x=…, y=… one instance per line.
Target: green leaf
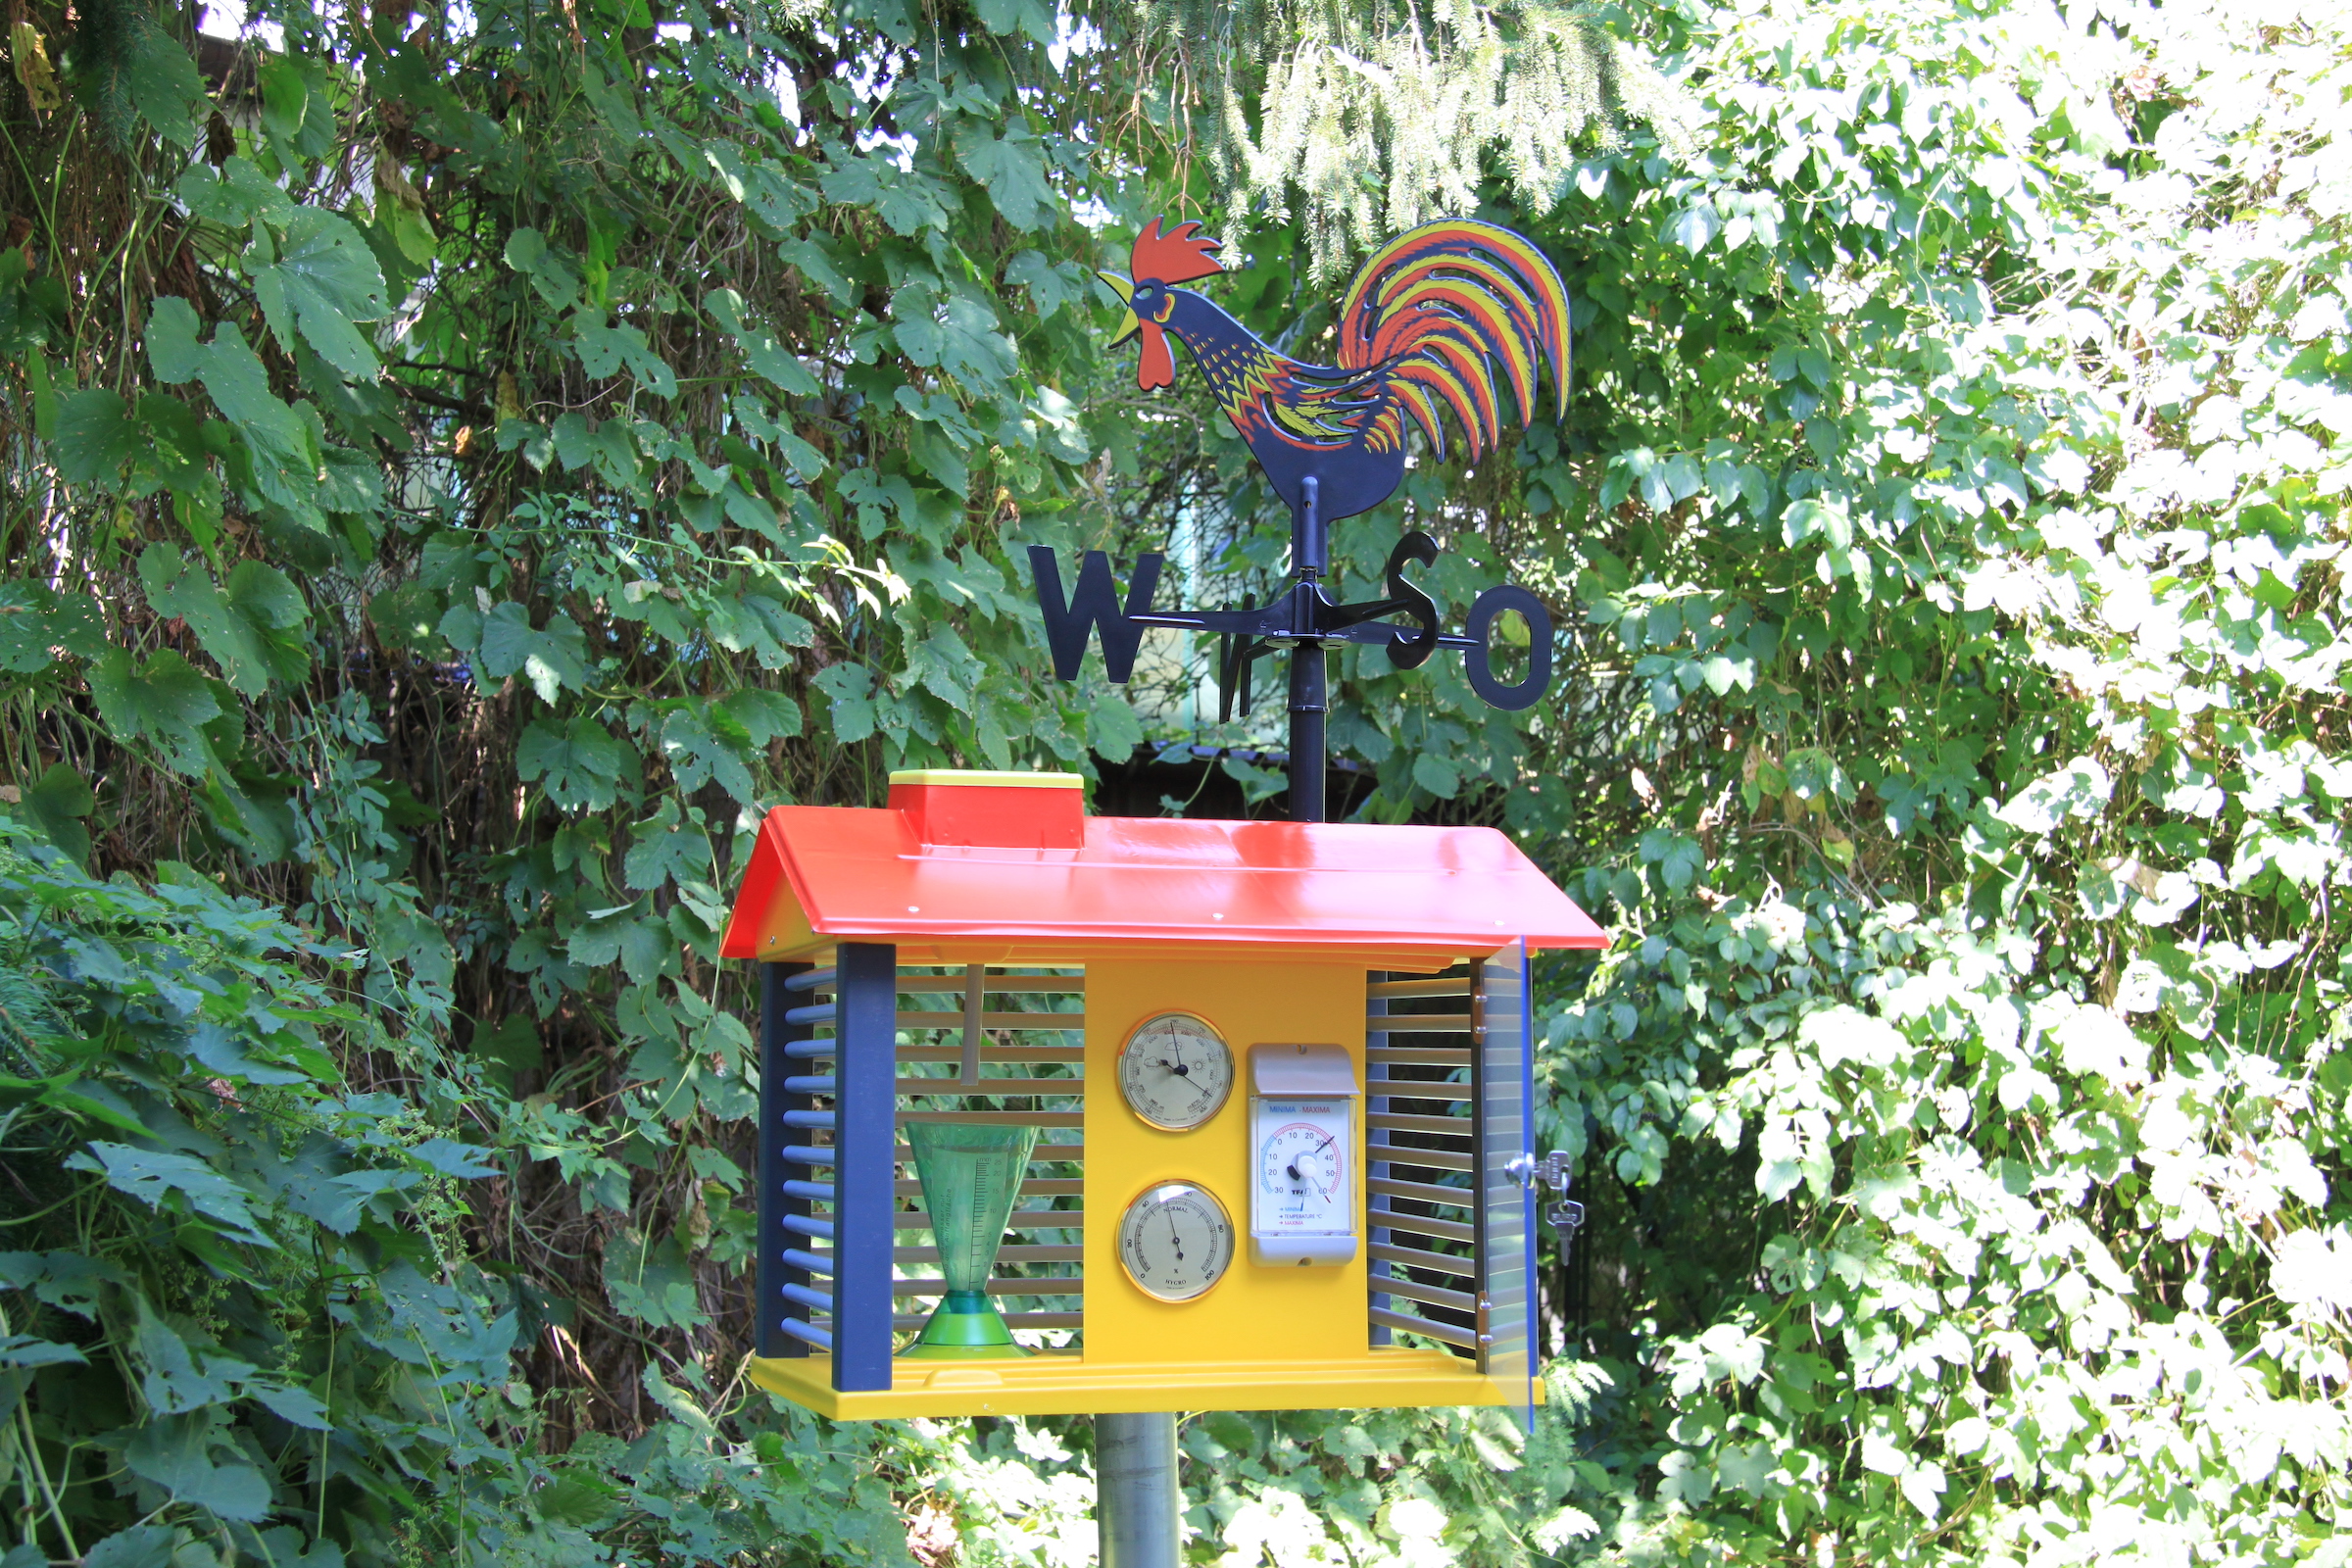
x=747, y=619
x=177, y=1183
x=662, y=851
x=165, y=84
x=406, y=615
x=325, y=280
x=764, y=716
x=553, y=276
x=907, y=199
x=575, y=441
x=1049, y=286
x=67, y=1281
x=1012, y=167
x=449, y=1157
x=171, y=1379
x=1808, y=518
x=54, y=803
x=235, y=196
x=1032, y=16
x=285, y=96
x=25, y=1351
x=1679, y=858
x=1112, y=728
x=166, y=699
x=582, y=762
x=815, y=263
x=1697, y=225
x=578, y=1499
x=550, y=658
x=1436, y=775
x=38, y=625
x=850, y=688
x=603, y=350
x=697, y=755
x=954, y=333
x=298, y=104
x=295, y=1406
x=513, y=1045
x=653, y=1284
x=778, y=365
x=95, y=436
x=139, y=1546
x=173, y=1452
x=173, y=328
x=253, y=629
x=648, y=950
x=287, y=462
x=768, y=358
x=938, y=456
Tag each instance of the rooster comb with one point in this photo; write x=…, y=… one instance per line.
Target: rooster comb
x=1176, y=257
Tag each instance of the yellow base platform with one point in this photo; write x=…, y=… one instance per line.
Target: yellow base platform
x=1067, y=1382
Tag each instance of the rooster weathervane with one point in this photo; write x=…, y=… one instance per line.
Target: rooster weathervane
x=1421, y=334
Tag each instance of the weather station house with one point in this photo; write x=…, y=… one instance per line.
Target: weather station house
x=1064, y=1114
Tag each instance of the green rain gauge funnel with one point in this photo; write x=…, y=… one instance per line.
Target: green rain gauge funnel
x=970, y=1176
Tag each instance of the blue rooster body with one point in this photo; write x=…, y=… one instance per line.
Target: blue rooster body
x=1423, y=330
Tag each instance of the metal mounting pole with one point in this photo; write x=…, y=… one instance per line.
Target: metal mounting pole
x=1137, y=1507
x=1311, y=690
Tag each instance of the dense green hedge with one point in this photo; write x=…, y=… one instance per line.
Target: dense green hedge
x=459, y=469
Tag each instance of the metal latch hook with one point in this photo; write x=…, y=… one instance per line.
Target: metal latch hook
x=1565, y=1213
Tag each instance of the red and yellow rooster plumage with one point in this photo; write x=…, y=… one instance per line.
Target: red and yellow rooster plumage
x=1435, y=323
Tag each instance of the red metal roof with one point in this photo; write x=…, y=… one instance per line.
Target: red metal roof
x=834, y=872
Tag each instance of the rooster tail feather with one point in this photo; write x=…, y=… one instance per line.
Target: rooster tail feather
x=1425, y=413
x=1455, y=377
x=1499, y=315
x=1469, y=386
x=1441, y=305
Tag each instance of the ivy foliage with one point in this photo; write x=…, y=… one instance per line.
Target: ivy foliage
x=463, y=465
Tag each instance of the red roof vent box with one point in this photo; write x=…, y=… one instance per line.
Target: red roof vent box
x=1004, y=811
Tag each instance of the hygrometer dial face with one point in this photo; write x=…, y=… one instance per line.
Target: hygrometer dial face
x=1175, y=1071
x=1175, y=1241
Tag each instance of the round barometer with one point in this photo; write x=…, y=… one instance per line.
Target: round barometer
x=1175, y=1241
x=1175, y=1071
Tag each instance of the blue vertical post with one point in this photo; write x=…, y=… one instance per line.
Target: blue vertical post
x=773, y=1305
x=866, y=1161
x=1503, y=1154
x=1376, y=1139
x=1534, y=1207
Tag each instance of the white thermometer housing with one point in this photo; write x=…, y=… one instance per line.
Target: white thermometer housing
x=1303, y=1148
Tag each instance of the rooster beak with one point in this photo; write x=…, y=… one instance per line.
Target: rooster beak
x=1128, y=324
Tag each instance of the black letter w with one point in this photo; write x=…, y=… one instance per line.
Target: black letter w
x=1095, y=604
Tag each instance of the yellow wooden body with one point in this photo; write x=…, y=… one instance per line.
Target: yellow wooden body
x=1264, y=1338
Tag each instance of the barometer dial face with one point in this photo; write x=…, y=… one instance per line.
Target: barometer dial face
x=1176, y=1241
x=1175, y=1071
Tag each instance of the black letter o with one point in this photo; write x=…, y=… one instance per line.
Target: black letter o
x=1478, y=662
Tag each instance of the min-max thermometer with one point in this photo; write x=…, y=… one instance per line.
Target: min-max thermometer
x=1302, y=1141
